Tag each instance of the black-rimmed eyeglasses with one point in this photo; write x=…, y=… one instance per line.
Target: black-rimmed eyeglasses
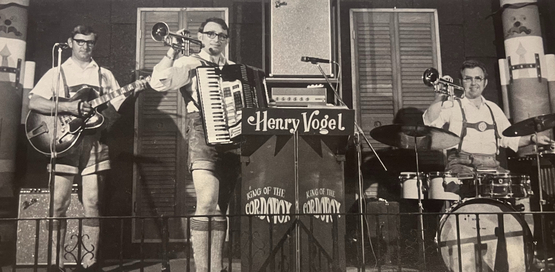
x=82, y=42
x=212, y=35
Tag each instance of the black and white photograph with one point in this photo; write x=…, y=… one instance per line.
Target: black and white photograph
x=277, y=135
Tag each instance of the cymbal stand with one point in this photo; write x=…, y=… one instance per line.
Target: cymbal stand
x=358, y=128
x=359, y=131
x=540, y=194
x=421, y=248
x=540, y=180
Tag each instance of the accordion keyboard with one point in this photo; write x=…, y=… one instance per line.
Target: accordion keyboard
x=213, y=106
x=223, y=94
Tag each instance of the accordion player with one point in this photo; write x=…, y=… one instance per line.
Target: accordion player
x=223, y=93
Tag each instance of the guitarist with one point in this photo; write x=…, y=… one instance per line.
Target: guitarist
x=89, y=157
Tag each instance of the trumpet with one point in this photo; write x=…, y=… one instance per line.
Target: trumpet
x=161, y=33
x=431, y=78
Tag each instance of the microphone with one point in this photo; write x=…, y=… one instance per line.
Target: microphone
x=62, y=45
x=315, y=60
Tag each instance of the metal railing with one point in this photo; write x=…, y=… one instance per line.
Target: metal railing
x=459, y=240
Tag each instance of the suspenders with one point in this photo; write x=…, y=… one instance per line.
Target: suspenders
x=476, y=126
x=66, y=87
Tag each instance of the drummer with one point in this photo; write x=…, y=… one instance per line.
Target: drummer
x=478, y=122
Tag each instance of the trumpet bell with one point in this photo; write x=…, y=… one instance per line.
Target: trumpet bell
x=430, y=76
x=159, y=31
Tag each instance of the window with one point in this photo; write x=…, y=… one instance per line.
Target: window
x=390, y=50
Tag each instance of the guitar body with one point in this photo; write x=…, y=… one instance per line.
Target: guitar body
x=39, y=128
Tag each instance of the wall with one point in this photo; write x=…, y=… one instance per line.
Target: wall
x=51, y=21
x=465, y=33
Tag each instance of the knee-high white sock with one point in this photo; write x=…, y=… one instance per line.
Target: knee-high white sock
x=58, y=234
x=91, y=233
x=219, y=226
x=200, y=242
x=205, y=236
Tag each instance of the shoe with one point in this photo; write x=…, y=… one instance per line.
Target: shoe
x=93, y=268
x=55, y=268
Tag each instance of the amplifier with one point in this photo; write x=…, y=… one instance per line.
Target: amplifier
x=34, y=205
x=299, y=97
x=383, y=226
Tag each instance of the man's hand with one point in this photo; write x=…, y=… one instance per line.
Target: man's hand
x=80, y=108
x=447, y=78
x=541, y=139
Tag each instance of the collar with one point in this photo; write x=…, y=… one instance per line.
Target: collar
x=467, y=101
x=220, y=60
x=71, y=62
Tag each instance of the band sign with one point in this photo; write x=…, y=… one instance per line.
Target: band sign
x=269, y=204
x=322, y=203
x=320, y=121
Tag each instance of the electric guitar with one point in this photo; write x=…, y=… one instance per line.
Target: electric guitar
x=39, y=128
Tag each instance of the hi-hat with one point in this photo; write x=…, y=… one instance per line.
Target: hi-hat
x=531, y=126
x=415, y=136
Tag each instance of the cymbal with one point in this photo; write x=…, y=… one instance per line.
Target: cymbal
x=411, y=136
x=531, y=125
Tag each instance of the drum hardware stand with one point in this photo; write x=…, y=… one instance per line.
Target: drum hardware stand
x=358, y=132
x=421, y=248
x=540, y=194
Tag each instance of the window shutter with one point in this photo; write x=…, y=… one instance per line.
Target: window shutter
x=158, y=131
x=374, y=62
x=391, y=49
x=416, y=54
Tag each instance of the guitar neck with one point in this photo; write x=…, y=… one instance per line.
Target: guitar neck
x=105, y=98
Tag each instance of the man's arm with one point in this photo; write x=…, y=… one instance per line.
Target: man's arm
x=528, y=140
x=167, y=61
x=46, y=106
x=170, y=74
x=433, y=111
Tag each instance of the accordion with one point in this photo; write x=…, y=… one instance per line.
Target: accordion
x=223, y=93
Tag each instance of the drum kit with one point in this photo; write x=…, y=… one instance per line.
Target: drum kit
x=502, y=234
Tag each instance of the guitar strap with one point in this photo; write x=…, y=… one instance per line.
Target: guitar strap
x=66, y=88
x=101, y=89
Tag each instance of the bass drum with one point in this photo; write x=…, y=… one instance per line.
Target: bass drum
x=488, y=249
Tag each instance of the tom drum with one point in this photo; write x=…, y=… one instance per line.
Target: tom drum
x=409, y=184
x=443, y=186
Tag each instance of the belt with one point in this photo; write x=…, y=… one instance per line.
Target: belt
x=463, y=154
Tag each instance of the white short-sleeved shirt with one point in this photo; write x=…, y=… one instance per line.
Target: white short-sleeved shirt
x=75, y=75
x=477, y=142
x=178, y=75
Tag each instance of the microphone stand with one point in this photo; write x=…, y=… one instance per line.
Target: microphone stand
x=358, y=131
x=52, y=172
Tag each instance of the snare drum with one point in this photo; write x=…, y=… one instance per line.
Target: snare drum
x=505, y=185
x=465, y=247
x=443, y=186
x=409, y=184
